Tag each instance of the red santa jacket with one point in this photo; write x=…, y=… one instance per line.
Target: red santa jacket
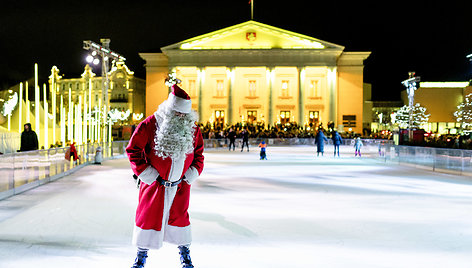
x=147, y=165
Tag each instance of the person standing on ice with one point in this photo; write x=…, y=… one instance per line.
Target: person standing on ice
x=319, y=141
x=245, y=136
x=336, y=141
x=166, y=153
x=357, y=146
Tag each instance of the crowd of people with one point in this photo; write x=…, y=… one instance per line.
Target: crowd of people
x=289, y=130
x=456, y=141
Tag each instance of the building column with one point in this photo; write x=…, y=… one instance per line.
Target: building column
x=332, y=85
x=270, y=80
x=230, y=75
x=201, y=80
x=301, y=85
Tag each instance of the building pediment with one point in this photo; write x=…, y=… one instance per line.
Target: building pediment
x=252, y=35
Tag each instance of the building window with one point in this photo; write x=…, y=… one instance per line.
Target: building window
x=284, y=117
x=192, y=88
x=285, y=89
x=220, y=85
x=251, y=116
x=252, y=88
x=219, y=118
x=315, y=88
x=349, y=120
x=313, y=118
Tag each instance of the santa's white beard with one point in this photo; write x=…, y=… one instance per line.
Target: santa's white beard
x=174, y=134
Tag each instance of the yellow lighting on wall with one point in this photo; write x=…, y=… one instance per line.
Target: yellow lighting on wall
x=444, y=84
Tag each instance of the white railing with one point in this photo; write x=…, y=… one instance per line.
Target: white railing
x=22, y=171
x=224, y=143
x=455, y=161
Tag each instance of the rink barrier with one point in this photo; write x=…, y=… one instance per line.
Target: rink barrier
x=444, y=160
x=22, y=171
x=215, y=144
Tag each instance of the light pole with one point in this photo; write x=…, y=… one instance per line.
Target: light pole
x=103, y=51
x=411, y=86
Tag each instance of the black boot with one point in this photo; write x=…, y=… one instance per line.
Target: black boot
x=185, y=259
x=140, y=259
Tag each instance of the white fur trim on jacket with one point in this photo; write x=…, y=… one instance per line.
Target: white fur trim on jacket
x=191, y=175
x=179, y=104
x=149, y=175
x=153, y=239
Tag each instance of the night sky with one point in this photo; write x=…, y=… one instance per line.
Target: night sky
x=431, y=38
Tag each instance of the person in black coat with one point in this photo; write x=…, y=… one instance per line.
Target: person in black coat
x=29, y=139
x=245, y=136
x=232, y=138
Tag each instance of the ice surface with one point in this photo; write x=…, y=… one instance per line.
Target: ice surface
x=293, y=210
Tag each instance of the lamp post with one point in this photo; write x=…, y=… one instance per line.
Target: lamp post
x=102, y=51
x=411, y=86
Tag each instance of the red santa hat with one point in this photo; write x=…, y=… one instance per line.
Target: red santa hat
x=179, y=100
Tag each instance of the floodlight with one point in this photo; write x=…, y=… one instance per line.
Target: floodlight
x=94, y=53
x=96, y=61
x=89, y=59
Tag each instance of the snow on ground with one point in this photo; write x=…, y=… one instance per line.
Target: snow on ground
x=293, y=210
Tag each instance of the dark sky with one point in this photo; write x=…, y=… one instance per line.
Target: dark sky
x=432, y=38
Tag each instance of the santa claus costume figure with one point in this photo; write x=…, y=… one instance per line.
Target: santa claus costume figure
x=166, y=153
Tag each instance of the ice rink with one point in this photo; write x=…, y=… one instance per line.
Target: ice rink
x=293, y=210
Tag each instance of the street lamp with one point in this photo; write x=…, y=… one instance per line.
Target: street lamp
x=102, y=51
x=411, y=86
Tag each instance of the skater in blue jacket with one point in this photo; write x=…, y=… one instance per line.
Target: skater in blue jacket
x=337, y=140
x=357, y=146
x=319, y=141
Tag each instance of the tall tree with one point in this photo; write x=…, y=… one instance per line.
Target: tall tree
x=463, y=113
x=420, y=117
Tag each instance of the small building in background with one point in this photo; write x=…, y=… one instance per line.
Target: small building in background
x=440, y=100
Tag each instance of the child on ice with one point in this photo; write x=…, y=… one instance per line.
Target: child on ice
x=357, y=146
x=263, y=146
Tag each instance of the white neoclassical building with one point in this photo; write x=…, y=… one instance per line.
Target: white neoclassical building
x=254, y=72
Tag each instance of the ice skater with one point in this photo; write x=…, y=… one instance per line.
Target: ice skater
x=166, y=153
x=337, y=140
x=245, y=136
x=357, y=146
x=319, y=141
x=263, y=147
x=232, y=138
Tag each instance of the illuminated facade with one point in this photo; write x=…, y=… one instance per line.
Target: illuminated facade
x=253, y=72
x=126, y=92
x=440, y=100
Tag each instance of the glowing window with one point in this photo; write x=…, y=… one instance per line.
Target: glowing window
x=252, y=88
x=285, y=89
x=219, y=88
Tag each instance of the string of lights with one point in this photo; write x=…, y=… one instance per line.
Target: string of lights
x=463, y=113
x=418, y=115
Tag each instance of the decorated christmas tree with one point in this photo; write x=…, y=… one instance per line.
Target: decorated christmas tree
x=419, y=116
x=463, y=113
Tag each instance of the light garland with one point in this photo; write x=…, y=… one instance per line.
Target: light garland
x=10, y=104
x=137, y=117
x=116, y=115
x=463, y=113
x=172, y=80
x=402, y=116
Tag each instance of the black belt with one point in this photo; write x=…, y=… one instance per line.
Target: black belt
x=168, y=184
